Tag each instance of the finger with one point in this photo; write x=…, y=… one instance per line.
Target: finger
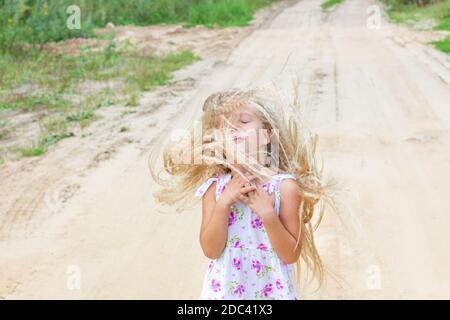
x=250, y=177
x=252, y=194
x=243, y=199
x=247, y=189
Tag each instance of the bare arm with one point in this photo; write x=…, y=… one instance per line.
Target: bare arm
x=214, y=228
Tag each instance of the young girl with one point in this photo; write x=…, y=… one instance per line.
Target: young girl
x=257, y=205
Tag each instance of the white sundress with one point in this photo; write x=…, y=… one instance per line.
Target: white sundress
x=248, y=268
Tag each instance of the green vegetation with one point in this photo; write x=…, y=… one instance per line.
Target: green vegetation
x=32, y=81
x=443, y=45
x=410, y=12
x=41, y=21
x=413, y=12
x=66, y=88
x=4, y=128
x=330, y=3
x=40, y=146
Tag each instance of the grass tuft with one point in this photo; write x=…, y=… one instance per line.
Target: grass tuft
x=443, y=45
x=330, y=3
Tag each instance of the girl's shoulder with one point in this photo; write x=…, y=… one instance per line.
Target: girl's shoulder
x=220, y=179
x=279, y=177
x=284, y=175
x=274, y=183
x=276, y=188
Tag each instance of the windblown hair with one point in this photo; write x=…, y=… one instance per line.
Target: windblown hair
x=292, y=150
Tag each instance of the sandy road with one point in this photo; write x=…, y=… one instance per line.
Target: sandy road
x=380, y=103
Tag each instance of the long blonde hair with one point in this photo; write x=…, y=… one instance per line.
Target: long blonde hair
x=296, y=155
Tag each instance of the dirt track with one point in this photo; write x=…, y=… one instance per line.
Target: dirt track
x=379, y=101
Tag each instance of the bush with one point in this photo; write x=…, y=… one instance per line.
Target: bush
x=36, y=22
x=39, y=21
x=416, y=2
x=419, y=3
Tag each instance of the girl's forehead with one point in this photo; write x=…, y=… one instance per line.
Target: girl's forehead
x=246, y=109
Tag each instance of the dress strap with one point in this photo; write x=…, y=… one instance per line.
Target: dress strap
x=276, y=187
x=221, y=181
x=205, y=186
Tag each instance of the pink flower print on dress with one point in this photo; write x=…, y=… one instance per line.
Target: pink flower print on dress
x=257, y=223
x=267, y=290
x=257, y=266
x=215, y=285
x=261, y=269
x=211, y=264
x=239, y=290
x=232, y=218
x=237, y=263
x=237, y=244
x=262, y=247
x=278, y=284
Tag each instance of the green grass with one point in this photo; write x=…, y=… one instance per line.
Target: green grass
x=41, y=146
x=444, y=24
x=223, y=13
x=32, y=151
x=330, y=3
x=41, y=21
x=4, y=128
x=443, y=45
x=40, y=81
x=438, y=12
x=411, y=13
x=33, y=79
x=54, y=77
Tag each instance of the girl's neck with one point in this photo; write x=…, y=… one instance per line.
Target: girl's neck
x=235, y=169
x=244, y=171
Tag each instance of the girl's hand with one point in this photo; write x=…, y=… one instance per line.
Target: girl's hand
x=262, y=203
x=236, y=190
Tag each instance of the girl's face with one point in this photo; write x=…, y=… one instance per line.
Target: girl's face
x=245, y=125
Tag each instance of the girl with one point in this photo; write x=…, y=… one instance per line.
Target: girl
x=257, y=205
